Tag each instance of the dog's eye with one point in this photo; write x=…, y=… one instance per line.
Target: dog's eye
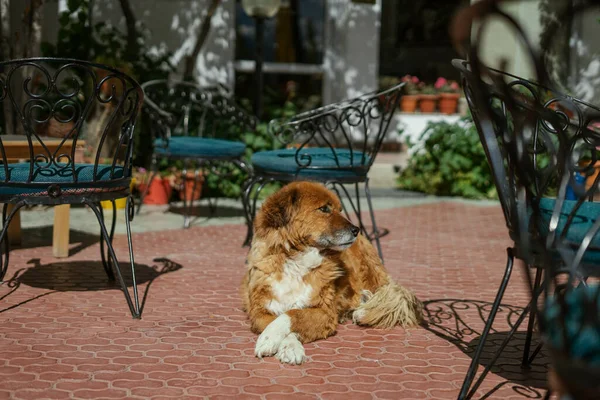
x=325, y=209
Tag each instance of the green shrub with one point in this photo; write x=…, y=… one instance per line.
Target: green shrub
x=449, y=161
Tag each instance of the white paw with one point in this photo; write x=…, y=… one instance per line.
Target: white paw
x=358, y=315
x=270, y=339
x=291, y=351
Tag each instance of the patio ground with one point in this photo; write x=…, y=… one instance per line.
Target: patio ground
x=67, y=333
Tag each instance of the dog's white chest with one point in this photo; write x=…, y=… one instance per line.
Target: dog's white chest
x=291, y=292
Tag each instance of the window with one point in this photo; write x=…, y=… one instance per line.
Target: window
x=415, y=38
x=293, y=51
x=294, y=35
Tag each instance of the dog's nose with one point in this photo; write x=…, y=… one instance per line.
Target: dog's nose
x=355, y=230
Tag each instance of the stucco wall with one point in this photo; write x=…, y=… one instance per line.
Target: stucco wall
x=351, y=60
x=501, y=42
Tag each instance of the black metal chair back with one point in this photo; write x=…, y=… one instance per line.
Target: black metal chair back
x=358, y=125
x=178, y=108
x=73, y=101
x=542, y=146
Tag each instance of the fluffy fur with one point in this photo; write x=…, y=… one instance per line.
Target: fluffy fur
x=309, y=269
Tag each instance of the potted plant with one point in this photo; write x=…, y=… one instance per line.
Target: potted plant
x=428, y=98
x=186, y=185
x=449, y=95
x=160, y=189
x=410, y=97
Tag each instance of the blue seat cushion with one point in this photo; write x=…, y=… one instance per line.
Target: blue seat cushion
x=584, y=218
x=59, y=174
x=284, y=162
x=573, y=325
x=55, y=174
x=199, y=147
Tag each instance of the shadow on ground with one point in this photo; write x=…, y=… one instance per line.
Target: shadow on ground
x=461, y=321
x=65, y=276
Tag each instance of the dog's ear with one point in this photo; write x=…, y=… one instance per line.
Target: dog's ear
x=278, y=209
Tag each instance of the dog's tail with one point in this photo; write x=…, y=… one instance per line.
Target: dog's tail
x=390, y=305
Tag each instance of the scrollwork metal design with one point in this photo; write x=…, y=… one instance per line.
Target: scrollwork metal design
x=68, y=99
x=184, y=108
x=540, y=143
x=358, y=125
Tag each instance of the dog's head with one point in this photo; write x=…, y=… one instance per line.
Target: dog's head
x=306, y=213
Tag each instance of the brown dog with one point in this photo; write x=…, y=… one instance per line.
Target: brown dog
x=309, y=268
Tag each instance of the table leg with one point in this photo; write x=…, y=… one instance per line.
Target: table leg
x=14, y=229
x=60, y=240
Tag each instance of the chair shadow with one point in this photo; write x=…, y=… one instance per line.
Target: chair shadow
x=65, y=276
x=453, y=320
x=42, y=236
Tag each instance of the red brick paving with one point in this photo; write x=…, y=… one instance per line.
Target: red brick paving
x=67, y=334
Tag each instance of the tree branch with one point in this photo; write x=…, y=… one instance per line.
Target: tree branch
x=132, y=33
x=190, y=61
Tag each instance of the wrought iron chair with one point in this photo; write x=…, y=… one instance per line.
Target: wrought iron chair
x=548, y=140
x=539, y=142
x=201, y=126
x=335, y=144
x=84, y=101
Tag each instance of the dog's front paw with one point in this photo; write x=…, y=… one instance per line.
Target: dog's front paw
x=291, y=351
x=270, y=339
x=358, y=315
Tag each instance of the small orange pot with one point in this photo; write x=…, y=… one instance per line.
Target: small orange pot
x=408, y=103
x=189, y=194
x=449, y=103
x=159, y=192
x=589, y=181
x=427, y=102
x=559, y=107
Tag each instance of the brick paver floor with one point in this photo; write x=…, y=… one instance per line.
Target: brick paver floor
x=66, y=333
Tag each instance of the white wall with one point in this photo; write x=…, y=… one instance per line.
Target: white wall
x=500, y=41
x=585, y=53
x=351, y=59
x=174, y=24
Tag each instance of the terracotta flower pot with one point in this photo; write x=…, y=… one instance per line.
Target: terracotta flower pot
x=427, y=102
x=559, y=107
x=589, y=181
x=408, y=103
x=449, y=103
x=188, y=193
x=159, y=192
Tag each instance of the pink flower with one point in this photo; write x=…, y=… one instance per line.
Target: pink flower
x=454, y=86
x=415, y=79
x=441, y=82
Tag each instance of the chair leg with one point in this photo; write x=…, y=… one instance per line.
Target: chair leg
x=129, y=213
x=464, y=392
x=527, y=359
x=106, y=260
x=252, y=200
x=152, y=176
x=246, y=192
x=134, y=305
x=188, y=204
x=7, y=217
x=375, y=234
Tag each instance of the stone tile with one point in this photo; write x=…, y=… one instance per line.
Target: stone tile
x=67, y=332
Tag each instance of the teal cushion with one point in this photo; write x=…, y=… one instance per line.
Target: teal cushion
x=576, y=325
x=284, y=162
x=199, y=147
x=59, y=174
x=584, y=218
x=55, y=174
